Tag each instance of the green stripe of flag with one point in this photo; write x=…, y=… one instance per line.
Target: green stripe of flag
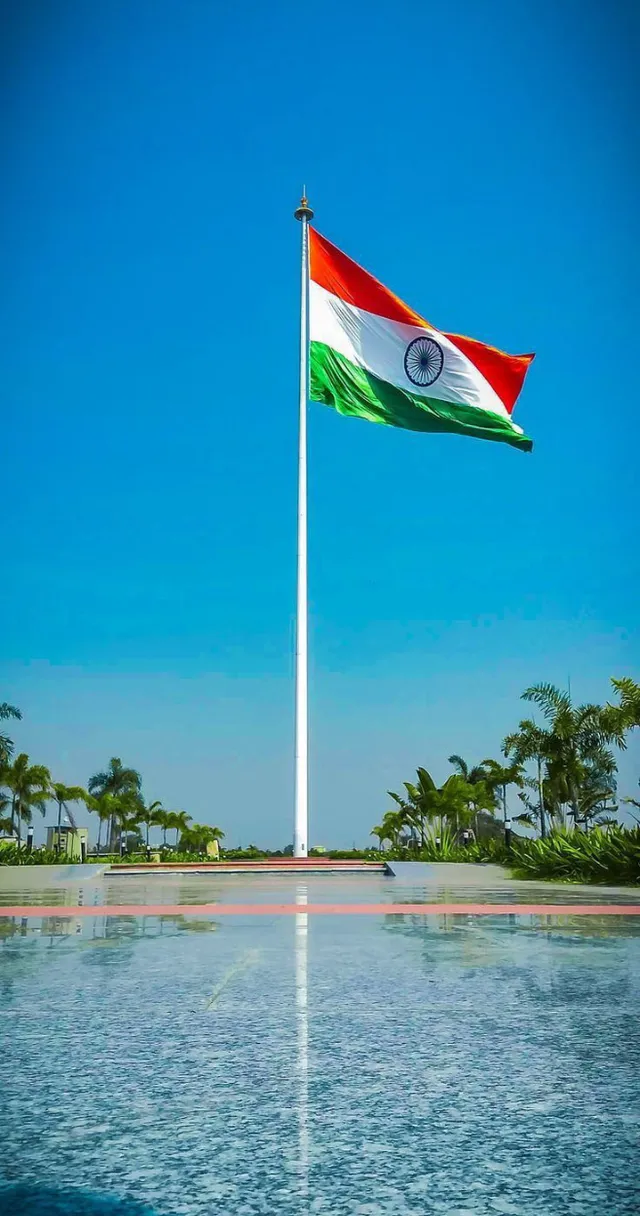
x=351, y=390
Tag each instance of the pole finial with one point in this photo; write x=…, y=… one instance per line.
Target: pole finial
x=304, y=211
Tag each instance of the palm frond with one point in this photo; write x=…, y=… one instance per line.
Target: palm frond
x=116, y=779
x=460, y=765
x=68, y=793
x=6, y=749
x=549, y=699
x=425, y=781
x=628, y=691
x=98, y=782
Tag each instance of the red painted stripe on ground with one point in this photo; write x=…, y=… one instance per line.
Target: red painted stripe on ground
x=34, y=910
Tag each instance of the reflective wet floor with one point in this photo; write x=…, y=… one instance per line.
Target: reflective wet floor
x=412, y=883
x=384, y=1064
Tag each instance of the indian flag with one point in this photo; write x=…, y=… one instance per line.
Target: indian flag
x=371, y=356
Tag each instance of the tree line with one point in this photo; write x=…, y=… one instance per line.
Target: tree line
x=114, y=796
x=562, y=764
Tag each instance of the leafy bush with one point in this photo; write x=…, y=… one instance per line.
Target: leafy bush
x=252, y=853
x=600, y=856
x=17, y=855
x=493, y=851
x=442, y=846
x=485, y=850
x=353, y=854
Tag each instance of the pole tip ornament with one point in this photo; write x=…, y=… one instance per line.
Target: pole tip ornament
x=304, y=211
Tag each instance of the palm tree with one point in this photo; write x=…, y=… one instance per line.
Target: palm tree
x=593, y=805
x=105, y=807
x=425, y=803
x=148, y=815
x=379, y=831
x=179, y=821
x=524, y=745
x=458, y=802
x=573, y=741
x=159, y=821
x=393, y=824
x=116, y=780
x=5, y=822
x=570, y=747
x=30, y=785
x=598, y=790
x=163, y=819
x=196, y=838
x=417, y=806
x=63, y=794
x=472, y=775
x=6, y=744
x=626, y=715
x=500, y=777
x=130, y=813
x=130, y=834
x=482, y=797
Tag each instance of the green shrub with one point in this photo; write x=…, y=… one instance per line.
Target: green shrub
x=17, y=855
x=600, y=856
x=252, y=853
x=491, y=850
x=352, y=854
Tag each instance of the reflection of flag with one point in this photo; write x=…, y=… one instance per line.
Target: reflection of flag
x=373, y=357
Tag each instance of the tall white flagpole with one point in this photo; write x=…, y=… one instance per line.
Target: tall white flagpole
x=301, y=820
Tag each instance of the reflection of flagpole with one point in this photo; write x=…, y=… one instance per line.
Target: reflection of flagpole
x=301, y=820
x=302, y=1034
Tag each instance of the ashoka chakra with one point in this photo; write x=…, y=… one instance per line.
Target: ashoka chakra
x=423, y=361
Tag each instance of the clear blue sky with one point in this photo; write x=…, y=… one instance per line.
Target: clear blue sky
x=481, y=159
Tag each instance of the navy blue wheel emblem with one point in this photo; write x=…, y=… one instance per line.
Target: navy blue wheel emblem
x=423, y=361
